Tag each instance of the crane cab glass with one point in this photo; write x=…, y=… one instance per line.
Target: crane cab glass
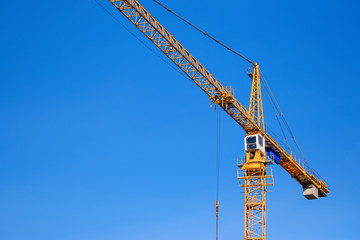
x=255, y=142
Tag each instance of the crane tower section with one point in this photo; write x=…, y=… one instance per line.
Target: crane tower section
x=254, y=176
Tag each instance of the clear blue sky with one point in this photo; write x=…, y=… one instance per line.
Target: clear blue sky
x=101, y=140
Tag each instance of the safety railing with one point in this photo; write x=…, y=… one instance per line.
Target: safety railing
x=299, y=161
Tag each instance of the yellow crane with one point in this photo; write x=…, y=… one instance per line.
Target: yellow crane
x=253, y=173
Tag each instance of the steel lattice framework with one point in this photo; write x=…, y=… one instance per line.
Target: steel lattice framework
x=219, y=94
x=251, y=121
x=255, y=180
x=254, y=169
x=256, y=107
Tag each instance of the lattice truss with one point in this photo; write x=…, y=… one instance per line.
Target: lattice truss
x=256, y=107
x=217, y=93
x=185, y=61
x=255, y=182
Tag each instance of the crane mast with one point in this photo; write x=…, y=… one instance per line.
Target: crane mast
x=253, y=173
x=256, y=107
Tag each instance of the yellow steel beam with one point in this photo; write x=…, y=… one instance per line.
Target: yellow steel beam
x=217, y=93
x=254, y=176
x=256, y=107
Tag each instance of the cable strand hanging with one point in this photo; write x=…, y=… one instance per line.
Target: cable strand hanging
x=218, y=131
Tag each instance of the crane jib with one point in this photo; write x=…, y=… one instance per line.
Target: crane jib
x=217, y=93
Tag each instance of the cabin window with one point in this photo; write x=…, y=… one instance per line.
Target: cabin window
x=251, y=140
x=251, y=143
x=261, y=141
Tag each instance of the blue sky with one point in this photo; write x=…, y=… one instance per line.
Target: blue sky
x=103, y=140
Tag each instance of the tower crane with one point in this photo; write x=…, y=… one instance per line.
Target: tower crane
x=253, y=173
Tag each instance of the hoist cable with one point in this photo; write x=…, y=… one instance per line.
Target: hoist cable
x=203, y=32
x=218, y=131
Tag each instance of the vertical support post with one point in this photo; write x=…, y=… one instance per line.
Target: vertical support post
x=255, y=209
x=254, y=176
x=256, y=107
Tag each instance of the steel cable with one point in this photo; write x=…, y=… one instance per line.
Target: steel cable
x=203, y=32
